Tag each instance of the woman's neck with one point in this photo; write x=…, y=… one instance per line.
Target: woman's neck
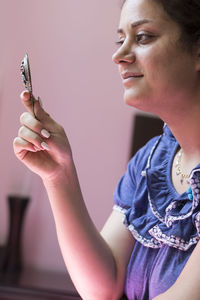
x=185, y=127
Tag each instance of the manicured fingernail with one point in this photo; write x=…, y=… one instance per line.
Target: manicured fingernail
x=45, y=133
x=24, y=93
x=40, y=101
x=45, y=146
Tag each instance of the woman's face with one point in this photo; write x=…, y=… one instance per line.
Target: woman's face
x=156, y=71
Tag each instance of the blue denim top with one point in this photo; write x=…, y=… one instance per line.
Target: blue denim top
x=165, y=224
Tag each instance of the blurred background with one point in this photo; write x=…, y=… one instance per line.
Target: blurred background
x=70, y=44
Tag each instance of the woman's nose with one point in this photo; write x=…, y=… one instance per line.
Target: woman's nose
x=124, y=54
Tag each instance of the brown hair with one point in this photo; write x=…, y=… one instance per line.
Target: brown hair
x=186, y=13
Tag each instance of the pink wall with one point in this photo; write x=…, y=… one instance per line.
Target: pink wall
x=70, y=44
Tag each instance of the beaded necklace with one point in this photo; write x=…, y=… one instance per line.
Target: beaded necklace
x=179, y=172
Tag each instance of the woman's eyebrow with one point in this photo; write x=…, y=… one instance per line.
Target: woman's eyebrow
x=135, y=24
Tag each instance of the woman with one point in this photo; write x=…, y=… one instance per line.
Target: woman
x=157, y=254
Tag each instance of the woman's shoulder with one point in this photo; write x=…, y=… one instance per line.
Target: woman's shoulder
x=126, y=186
x=140, y=158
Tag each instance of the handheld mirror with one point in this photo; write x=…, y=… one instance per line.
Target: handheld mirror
x=26, y=78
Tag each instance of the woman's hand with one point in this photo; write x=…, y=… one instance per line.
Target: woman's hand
x=91, y=261
x=41, y=144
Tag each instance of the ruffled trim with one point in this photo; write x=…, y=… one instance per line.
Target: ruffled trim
x=161, y=216
x=153, y=243
x=197, y=222
x=119, y=209
x=172, y=240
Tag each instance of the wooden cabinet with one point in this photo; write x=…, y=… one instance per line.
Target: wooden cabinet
x=32, y=284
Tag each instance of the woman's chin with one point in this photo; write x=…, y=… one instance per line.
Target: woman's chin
x=132, y=100
x=137, y=101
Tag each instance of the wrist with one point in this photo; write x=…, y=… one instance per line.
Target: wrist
x=61, y=175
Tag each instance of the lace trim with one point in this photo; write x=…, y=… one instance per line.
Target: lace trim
x=195, y=186
x=173, y=241
x=152, y=151
x=119, y=209
x=160, y=238
x=197, y=222
x=152, y=243
x=155, y=212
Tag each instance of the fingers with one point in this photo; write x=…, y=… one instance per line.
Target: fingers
x=40, y=113
x=33, y=138
x=39, y=131
x=20, y=145
x=30, y=122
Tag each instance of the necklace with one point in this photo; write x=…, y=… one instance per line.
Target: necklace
x=184, y=177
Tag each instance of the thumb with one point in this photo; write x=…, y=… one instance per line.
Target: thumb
x=33, y=105
x=40, y=113
x=27, y=100
x=35, y=109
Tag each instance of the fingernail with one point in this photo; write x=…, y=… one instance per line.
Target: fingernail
x=24, y=93
x=45, y=146
x=40, y=101
x=45, y=133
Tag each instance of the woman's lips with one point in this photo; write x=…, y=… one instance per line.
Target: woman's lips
x=129, y=77
x=126, y=75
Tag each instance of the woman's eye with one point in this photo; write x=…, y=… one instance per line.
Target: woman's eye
x=143, y=38
x=119, y=43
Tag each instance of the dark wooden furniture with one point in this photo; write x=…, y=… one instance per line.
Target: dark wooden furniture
x=30, y=284
x=145, y=127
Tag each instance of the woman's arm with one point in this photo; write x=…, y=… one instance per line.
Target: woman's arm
x=96, y=262
x=187, y=286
